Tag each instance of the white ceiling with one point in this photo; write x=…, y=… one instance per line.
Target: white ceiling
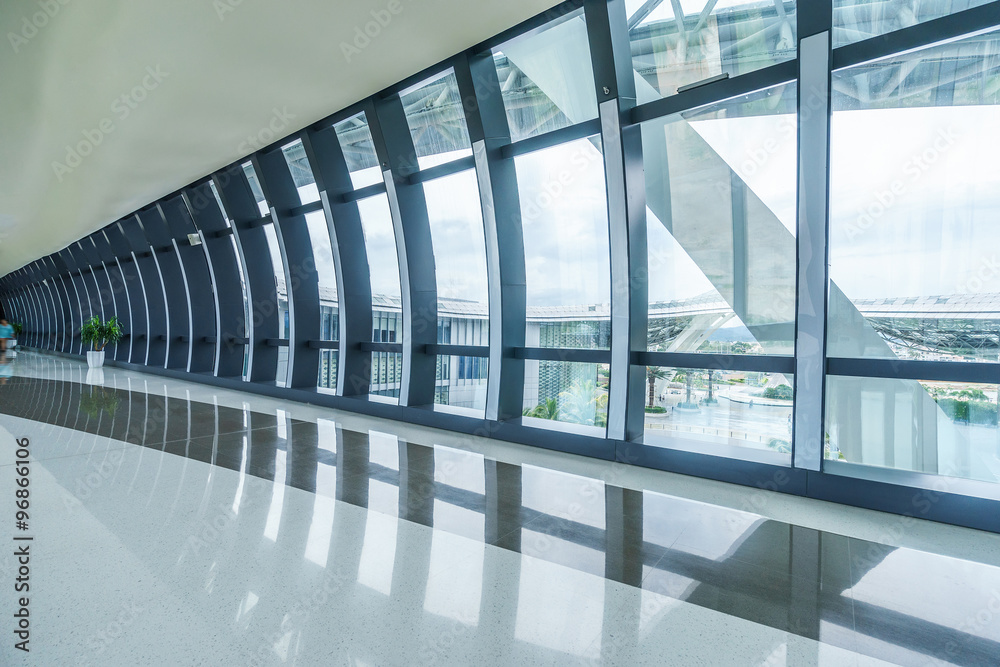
x=227, y=67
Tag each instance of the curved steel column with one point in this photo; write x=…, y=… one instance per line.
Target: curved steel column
x=224, y=273
x=301, y=279
x=239, y=202
x=197, y=282
x=154, y=227
x=149, y=277
x=347, y=240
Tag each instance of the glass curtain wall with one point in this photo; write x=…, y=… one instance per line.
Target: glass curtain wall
x=326, y=272
x=693, y=213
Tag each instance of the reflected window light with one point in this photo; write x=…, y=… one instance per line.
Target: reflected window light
x=247, y=605
x=884, y=586
x=277, y=496
x=383, y=449
x=378, y=553
x=244, y=453
x=328, y=433
x=559, y=608
x=459, y=468
x=383, y=497
x=457, y=593
x=320, y=530
x=282, y=422
x=459, y=520
x=563, y=495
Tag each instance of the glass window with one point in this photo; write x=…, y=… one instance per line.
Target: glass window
x=359, y=151
x=915, y=198
x=302, y=176
x=282, y=292
x=566, y=391
x=546, y=78
x=436, y=118
x=721, y=197
x=461, y=382
x=387, y=316
x=856, y=20
x=736, y=408
x=245, y=333
x=567, y=263
x=258, y=194
x=677, y=42
x=940, y=428
x=329, y=325
x=456, y=223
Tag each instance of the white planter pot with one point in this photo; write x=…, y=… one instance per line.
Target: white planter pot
x=12, y=343
x=95, y=376
x=95, y=359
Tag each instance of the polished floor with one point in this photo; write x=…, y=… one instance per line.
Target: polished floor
x=178, y=524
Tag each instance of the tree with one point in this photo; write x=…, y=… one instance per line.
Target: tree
x=547, y=410
x=654, y=373
x=584, y=403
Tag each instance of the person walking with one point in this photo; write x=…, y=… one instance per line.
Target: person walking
x=6, y=334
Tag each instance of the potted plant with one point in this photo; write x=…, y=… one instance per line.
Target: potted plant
x=18, y=328
x=100, y=335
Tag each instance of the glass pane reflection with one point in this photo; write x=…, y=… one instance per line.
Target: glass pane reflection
x=680, y=42
x=736, y=408
x=721, y=218
x=546, y=78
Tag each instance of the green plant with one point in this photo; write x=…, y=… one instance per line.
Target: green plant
x=547, y=410
x=782, y=392
x=101, y=334
x=99, y=400
x=17, y=327
x=584, y=403
x=655, y=409
x=653, y=373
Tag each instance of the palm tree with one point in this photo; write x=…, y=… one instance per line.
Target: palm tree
x=547, y=410
x=654, y=373
x=584, y=403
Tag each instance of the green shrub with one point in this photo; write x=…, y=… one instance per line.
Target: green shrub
x=782, y=392
x=656, y=409
x=101, y=334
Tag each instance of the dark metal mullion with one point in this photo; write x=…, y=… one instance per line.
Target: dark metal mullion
x=168, y=272
x=347, y=241
x=86, y=296
x=481, y=351
x=301, y=280
x=614, y=82
x=41, y=314
x=900, y=369
x=240, y=205
x=554, y=138
x=486, y=119
x=136, y=325
x=148, y=305
x=442, y=170
x=725, y=362
x=60, y=288
x=224, y=272
x=812, y=239
x=714, y=92
x=581, y=355
x=418, y=281
x=198, y=286
x=76, y=302
x=119, y=292
x=916, y=36
x=156, y=301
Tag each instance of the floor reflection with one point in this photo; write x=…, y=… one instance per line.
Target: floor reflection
x=890, y=603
